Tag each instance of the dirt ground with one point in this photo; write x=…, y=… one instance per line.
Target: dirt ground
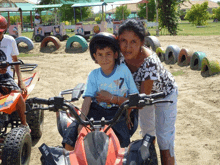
x=198, y=121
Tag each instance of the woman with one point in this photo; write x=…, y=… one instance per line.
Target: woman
x=150, y=77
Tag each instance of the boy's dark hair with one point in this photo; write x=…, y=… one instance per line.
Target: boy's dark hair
x=103, y=40
x=133, y=25
x=101, y=44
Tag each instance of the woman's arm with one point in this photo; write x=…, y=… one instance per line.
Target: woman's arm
x=146, y=86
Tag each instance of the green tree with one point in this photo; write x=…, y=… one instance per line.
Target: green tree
x=218, y=3
x=66, y=11
x=216, y=12
x=198, y=14
x=151, y=10
x=122, y=10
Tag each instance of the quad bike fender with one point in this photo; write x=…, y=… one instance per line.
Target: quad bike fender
x=8, y=102
x=139, y=151
x=30, y=83
x=63, y=121
x=53, y=155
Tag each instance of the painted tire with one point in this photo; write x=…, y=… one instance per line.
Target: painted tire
x=184, y=57
x=196, y=60
x=77, y=38
x=26, y=40
x=152, y=41
x=53, y=39
x=161, y=53
x=171, y=54
x=209, y=68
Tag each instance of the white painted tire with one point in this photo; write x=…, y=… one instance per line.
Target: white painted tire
x=26, y=40
x=171, y=54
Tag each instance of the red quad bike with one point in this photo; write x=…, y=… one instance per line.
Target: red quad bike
x=97, y=143
x=16, y=141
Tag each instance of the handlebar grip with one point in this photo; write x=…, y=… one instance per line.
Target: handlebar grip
x=15, y=63
x=157, y=95
x=40, y=101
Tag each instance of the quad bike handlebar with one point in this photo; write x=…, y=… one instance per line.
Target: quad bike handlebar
x=5, y=64
x=135, y=100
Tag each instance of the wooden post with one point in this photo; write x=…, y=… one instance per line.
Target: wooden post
x=102, y=12
x=146, y=11
x=81, y=13
x=9, y=20
x=157, y=31
x=21, y=19
x=74, y=14
x=31, y=19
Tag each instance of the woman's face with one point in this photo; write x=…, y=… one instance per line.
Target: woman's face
x=130, y=44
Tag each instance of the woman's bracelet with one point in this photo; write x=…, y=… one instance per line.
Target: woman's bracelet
x=111, y=98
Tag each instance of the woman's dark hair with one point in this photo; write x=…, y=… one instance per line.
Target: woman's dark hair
x=133, y=25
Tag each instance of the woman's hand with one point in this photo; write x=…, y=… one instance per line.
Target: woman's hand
x=104, y=96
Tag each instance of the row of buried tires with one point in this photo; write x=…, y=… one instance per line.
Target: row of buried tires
x=55, y=40
x=184, y=57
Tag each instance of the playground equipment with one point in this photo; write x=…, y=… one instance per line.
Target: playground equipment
x=15, y=30
x=42, y=31
x=89, y=30
x=82, y=41
x=53, y=39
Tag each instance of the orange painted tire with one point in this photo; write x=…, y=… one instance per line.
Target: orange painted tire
x=184, y=57
x=53, y=39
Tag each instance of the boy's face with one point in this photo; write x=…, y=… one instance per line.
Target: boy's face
x=106, y=58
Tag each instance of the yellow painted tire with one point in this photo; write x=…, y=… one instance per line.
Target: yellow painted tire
x=161, y=53
x=209, y=68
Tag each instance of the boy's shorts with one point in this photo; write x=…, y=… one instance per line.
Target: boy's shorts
x=97, y=112
x=7, y=84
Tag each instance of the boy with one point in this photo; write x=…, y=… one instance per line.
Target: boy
x=9, y=52
x=112, y=79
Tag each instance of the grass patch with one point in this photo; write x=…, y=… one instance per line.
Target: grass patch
x=28, y=55
x=178, y=73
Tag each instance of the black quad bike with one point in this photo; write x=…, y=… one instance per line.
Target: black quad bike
x=97, y=143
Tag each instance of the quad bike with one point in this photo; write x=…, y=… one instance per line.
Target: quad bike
x=16, y=141
x=97, y=143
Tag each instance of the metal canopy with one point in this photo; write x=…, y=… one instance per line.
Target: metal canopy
x=87, y=4
x=9, y=9
x=47, y=6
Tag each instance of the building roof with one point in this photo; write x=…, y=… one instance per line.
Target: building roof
x=188, y=5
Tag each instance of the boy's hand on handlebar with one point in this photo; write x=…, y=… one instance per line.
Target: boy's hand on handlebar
x=103, y=96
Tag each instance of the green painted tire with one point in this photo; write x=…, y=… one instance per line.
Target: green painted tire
x=161, y=53
x=196, y=60
x=184, y=57
x=77, y=38
x=209, y=68
x=171, y=54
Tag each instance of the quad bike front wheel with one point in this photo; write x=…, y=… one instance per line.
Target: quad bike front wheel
x=17, y=147
x=152, y=160
x=35, y=121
